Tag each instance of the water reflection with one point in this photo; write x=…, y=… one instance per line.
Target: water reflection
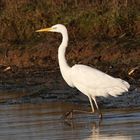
x=42, y=121
x=97, y=135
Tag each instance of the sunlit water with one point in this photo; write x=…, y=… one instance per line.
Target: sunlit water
x=43, y=122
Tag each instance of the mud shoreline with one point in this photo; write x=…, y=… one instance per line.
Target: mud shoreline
x=39, y=85
x=31, y=74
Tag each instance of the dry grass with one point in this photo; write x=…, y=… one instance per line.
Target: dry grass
x=107, y=18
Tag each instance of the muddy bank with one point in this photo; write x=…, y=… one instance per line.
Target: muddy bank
x=39, y=85
x=120, y=55
x=31, y=74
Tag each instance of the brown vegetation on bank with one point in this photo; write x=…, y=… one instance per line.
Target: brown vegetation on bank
x=100, y=18
x=103, y=33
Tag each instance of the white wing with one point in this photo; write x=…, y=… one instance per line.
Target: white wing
x=93, y=82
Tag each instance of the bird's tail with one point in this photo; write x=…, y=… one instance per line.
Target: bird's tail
x=126, y=84
x=123, y=86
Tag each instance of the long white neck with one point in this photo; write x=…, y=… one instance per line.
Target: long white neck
x=64, y=67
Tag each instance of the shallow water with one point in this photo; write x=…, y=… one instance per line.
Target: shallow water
x=43, y=122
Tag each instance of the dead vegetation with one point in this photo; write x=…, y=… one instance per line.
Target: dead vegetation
x=103, y=33
x=101, y=18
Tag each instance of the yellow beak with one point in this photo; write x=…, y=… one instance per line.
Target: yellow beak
x=44, y=30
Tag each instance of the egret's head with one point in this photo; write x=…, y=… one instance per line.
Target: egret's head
x=56, y=28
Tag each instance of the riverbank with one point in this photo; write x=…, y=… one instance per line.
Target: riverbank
x=100, y=36
x=38, y=86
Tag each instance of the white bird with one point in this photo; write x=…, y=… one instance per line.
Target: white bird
x=88, y=80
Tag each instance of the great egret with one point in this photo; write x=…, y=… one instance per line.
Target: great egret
x=88, y=80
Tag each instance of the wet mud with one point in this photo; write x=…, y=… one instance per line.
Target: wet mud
x=39, y=85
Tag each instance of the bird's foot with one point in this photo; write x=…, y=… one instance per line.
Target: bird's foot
x=68, y=115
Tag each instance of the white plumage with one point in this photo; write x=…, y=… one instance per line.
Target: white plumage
x=93, y=82
x=89, y=81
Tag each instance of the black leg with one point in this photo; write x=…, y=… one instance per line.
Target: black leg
x=69, y=115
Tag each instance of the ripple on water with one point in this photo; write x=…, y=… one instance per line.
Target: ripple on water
x=42, y=121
